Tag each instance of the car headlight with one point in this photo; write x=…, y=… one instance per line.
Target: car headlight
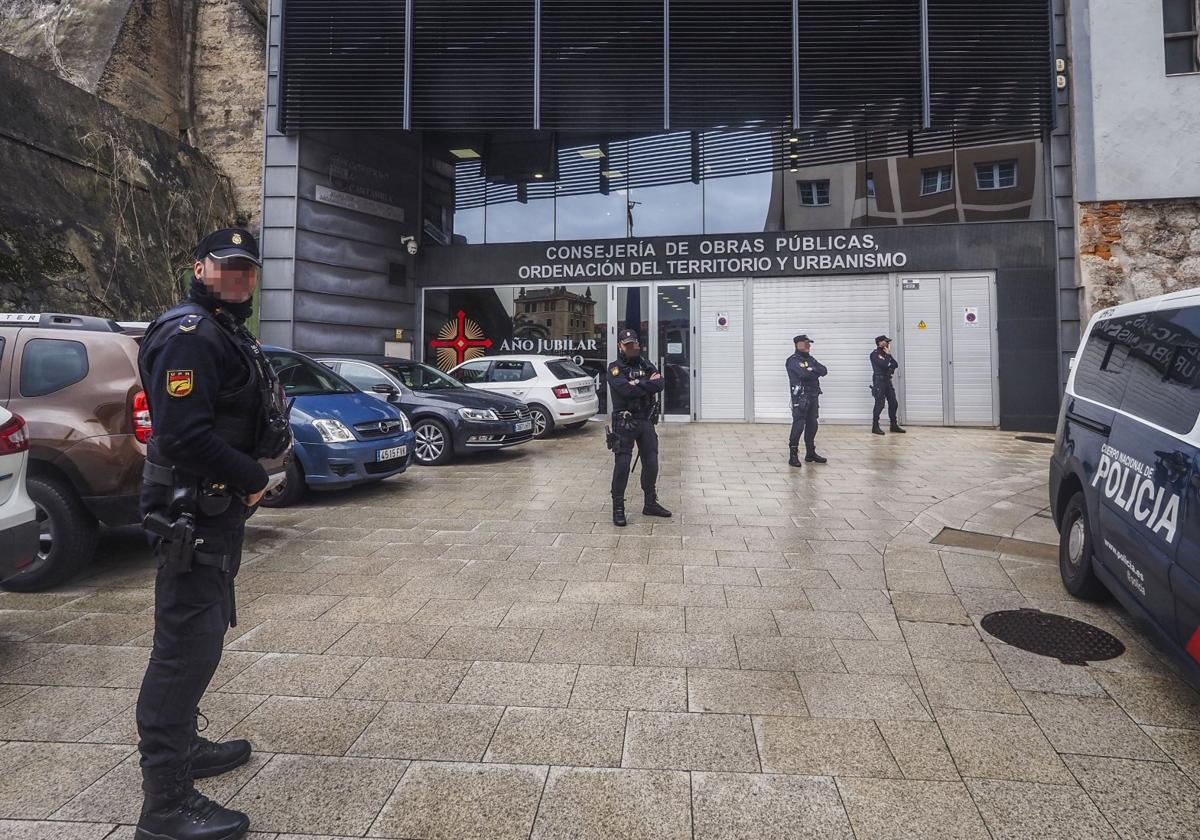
x=333, y=431
x=477, y=414
x=404, y=424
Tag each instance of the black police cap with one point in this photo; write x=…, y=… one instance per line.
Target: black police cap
x=882, y=338
x=800, y=338
x=229, y=243
x=626, y=336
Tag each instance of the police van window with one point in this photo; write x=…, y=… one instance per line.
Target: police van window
x=512, y=372
x=1100, y=370
x=1164, y=379
x=51, y=364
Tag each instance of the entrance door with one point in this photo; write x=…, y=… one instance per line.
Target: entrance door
x=662, y=315
x=920, y=378
x=972, y=365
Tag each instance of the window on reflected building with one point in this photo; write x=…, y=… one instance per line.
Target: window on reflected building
x=870, y=185
x=938, y=180
x=1001, y=175
x=1181, y=29
x=814, y=193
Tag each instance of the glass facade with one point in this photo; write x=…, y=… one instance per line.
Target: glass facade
x=683, y=184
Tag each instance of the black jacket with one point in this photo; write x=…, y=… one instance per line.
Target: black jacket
x=883, y=365
x=631, y=386
x=205, y=398
x=804, y=374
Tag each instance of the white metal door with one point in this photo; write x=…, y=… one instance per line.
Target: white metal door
x=972, y=366
x=920, y=380
x=842, y=315
x=722, y=350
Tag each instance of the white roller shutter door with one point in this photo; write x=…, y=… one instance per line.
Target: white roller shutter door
x=843, y=315
x=972, y=376
x=722, y=351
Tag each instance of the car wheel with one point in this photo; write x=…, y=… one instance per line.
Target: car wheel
x=433, y=445
x=67, y=536
x=290, y=490
x=543, y=423
x=1075, y=556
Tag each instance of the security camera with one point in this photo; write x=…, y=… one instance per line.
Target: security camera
x=411, y=243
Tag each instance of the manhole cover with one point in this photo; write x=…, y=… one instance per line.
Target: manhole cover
x=1066, y=639
x=1035, y=439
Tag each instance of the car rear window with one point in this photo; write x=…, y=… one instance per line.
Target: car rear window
x=566, y=369
x=51, y=364
x=1146, y=364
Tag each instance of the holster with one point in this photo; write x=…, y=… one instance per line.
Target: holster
x=178, y=538
x=611, y=440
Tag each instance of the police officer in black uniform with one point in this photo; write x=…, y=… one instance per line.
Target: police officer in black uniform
x=216, y=409
x=804, y=375
x=883, y=366
x=634, y=383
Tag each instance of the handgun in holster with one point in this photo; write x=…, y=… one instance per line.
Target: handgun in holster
x=611, y=439
x=176, y=528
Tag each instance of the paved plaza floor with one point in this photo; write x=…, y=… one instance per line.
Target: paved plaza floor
x=476, y=652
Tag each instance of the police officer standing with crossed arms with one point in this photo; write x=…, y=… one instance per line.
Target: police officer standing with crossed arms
x=217, y=408
x=634, y=383
x=883, y=366
x=804, y=377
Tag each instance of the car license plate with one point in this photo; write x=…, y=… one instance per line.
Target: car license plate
x=523, y=426
x=391, y=454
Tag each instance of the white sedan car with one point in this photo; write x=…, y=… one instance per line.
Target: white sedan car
x=557, y=391
x=18, y=516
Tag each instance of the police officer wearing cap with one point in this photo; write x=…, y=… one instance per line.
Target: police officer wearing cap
x=883, y=366
x=634, y=384
x=804, y=375
x=216, y=408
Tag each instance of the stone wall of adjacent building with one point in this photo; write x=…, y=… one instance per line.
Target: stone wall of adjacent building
x=1129, y=250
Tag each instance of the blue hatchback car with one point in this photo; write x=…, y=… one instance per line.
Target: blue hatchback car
x=342, y=436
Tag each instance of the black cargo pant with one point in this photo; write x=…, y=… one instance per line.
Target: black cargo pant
x=805, y=411
x=191, y=613
x=641, y=431
x=884, y=391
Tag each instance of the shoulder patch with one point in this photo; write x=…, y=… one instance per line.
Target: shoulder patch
x=189, y=323
x=616, y=371
x=180, y=382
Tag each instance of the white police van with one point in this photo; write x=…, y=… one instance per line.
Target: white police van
x=1125, y=474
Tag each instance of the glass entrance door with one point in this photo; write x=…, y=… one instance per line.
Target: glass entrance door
x=662, y=315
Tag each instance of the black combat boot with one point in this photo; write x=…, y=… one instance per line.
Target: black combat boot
x=815, y=458
x=896, y=428
x=177, y=811
x=653, y=508
x=794, y=457
x=619, y=513
x=875, y=430
x=210, y=758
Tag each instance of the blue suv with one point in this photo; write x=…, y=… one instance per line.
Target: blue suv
x=1125, y=474
x=342, y=436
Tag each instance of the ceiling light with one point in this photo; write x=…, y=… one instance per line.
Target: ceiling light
x=591, y=154
x=465, y=154
x=612, y=174
x=795, y=169
x=793, y=139
x=538, y=175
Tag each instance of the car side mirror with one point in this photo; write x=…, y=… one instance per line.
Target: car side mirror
x=384, y=388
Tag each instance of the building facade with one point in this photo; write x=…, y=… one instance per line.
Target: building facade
x=717, y=176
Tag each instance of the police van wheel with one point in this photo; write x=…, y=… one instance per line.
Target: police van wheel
x=67, y=536
x=1075, y=556
x=290, y=490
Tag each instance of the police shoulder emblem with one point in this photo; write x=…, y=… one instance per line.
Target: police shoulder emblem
x=616, y=371
x=236, y=239
x=179, y=382
x=190, y=323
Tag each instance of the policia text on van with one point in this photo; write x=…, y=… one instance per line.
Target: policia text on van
x=1125, y=475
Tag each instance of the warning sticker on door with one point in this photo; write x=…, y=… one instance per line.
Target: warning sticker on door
x=971, y=316
x=922, y=326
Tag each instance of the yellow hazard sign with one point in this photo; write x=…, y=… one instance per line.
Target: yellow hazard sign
x=922, y=325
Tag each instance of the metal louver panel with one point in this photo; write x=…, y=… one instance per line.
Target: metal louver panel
x=989, y=63
x=860, y=62
x=730, y=61
x=602, y=64
x=472, y=64
x=343, y=71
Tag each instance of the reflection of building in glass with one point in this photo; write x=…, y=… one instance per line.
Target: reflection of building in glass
x=554, y=312
x=976, y=184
